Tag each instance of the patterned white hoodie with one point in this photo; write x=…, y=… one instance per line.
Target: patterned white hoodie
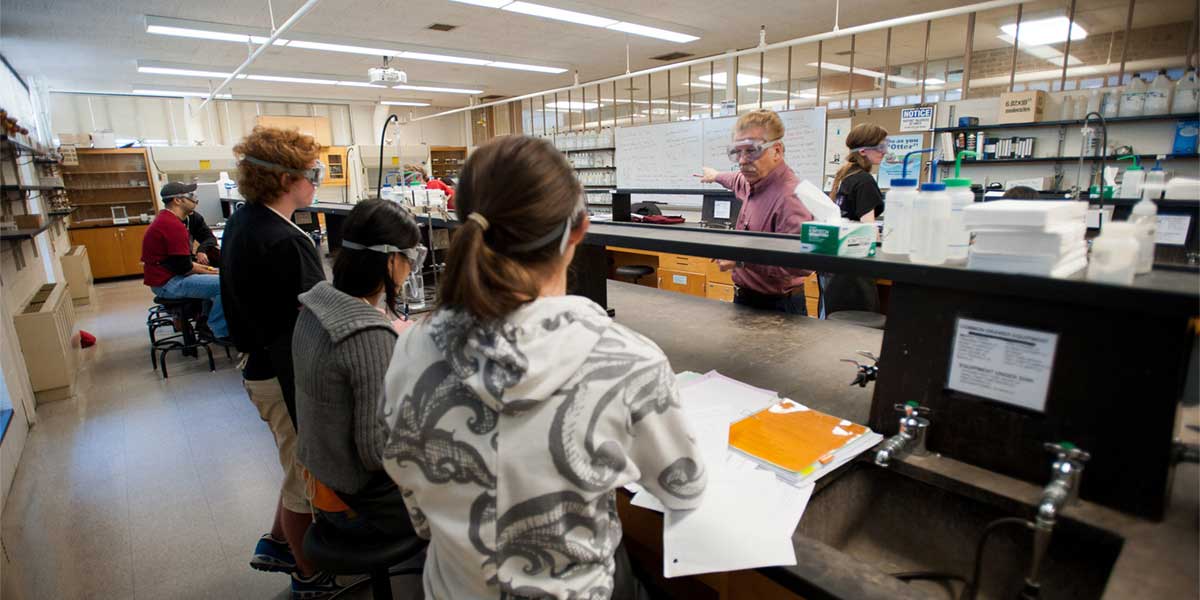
x=509, y=441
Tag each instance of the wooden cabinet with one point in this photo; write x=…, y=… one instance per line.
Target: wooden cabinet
x=719, y=291
x=678, y=281
x=716, y=275
x=112, y=251
x=108, y=179
x=77, y=270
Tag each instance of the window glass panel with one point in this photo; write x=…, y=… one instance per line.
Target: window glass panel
x=835, y=74
x=991, y=56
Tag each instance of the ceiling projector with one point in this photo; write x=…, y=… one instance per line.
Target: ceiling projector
x=386, y=75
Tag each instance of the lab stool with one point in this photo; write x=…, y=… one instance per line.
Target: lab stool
x=180, y=314
x=335, y=553
x=634, y=272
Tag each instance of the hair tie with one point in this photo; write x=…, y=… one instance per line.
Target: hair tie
x=478, y=218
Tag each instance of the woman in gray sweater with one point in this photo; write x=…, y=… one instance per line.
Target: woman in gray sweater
x=341, y=346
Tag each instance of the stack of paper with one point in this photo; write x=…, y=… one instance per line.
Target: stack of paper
x=1028, y=236
x=748, y=515
x=799, y=443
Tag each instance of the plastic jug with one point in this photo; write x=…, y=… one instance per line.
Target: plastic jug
x=1110, y=103
x=1145, y=216
x=1187, y=94
x=931, y=218
x=897, y=213
x=1158, y=96
x=1131, y=184
x=958, y=237
x=1114, y=254
x=1095, y=98
x=1156, y=178
x=1133, y=98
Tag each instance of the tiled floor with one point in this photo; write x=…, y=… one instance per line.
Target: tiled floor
x=141, y=487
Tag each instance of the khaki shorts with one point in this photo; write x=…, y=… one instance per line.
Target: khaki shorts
x=267, y=397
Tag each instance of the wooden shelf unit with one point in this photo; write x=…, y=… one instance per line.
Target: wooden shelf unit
x=447, y=161
x=111, y=177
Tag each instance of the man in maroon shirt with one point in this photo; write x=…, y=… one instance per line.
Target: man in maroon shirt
x=169, y=268
x=766, y=186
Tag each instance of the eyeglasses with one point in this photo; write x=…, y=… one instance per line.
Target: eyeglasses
x=751, y=149
x=315, y=175
x=881, y=148
x=415, y=255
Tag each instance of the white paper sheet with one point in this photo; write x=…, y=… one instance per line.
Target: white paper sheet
x=746, y=521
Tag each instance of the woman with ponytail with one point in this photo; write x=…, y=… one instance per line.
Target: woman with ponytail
x=854, y=189
x=515, y=411
x=858, y=195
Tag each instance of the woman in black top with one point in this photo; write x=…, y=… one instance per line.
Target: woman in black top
x=855, y=191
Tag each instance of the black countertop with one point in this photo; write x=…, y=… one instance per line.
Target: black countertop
x=800, y=358
x=1161, y=292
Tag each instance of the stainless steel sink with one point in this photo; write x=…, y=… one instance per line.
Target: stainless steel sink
x=897, y=524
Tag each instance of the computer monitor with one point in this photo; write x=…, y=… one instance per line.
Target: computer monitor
x=720, y=210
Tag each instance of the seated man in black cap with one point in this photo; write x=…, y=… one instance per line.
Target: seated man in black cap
x=170, y=269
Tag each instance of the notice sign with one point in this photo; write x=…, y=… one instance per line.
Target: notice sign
x=916, y=119
x=1003, y=363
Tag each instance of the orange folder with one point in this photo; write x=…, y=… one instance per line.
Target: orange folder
x=793, y=437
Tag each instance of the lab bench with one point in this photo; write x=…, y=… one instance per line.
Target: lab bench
x=865, y=522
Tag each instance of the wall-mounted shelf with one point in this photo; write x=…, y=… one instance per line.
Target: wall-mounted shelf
x=140, y=172
x=1067, y=123
x=30, y=188
x=27, y=149
x=23, y=234
x=120, y=187
x=1061, y=159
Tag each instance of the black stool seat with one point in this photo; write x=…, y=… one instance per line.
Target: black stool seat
x=863, y=318
x=181, y=315
x=336, y=553
x=176, y=302
x=635, y=271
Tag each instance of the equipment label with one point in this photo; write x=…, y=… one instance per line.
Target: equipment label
x=1003, y=363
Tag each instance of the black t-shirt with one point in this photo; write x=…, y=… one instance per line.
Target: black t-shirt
x=859, y=195
x=266, y=263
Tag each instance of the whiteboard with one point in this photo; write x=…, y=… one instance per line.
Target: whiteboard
x=666, y=155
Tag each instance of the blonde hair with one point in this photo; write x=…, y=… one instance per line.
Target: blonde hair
x=765, y=118
x=863, y=135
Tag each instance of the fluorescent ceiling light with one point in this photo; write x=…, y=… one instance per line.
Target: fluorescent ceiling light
x=175, y=94
x=742, y=79
x=343, y=48
x=281, y=79
x=429, y=88
x=877, y=75
x=573, y=105
x=487, y=3
x=185, y=72
x=1044, y=31
x=654, y=32
x=499, y=64
x=226, y=36
x=403, y=103
x=360, y=84
x=558, y=14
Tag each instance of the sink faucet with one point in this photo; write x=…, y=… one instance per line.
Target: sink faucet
x=1062, y=489
x=911, y=435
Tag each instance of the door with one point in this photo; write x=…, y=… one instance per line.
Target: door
x=685, y=283
x=105, y=253
x=131, y=248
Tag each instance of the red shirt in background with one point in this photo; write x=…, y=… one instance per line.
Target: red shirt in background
x=166, y=236
x=436, y=184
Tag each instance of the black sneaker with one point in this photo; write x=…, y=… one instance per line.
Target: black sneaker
x=321, y=585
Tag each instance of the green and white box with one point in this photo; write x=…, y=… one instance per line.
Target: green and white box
x=848, y=238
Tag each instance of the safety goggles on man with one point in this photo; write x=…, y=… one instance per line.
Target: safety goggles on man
x=749, y=148
x=415, y=255
x=190, y=197
x=314, y=175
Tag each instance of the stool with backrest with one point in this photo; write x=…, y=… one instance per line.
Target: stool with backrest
x=181, y=313
x=635, y=272
x=333, y=552
x=852, y=299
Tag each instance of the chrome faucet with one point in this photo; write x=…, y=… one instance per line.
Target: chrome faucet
x=1062, y=490
x=911, y=436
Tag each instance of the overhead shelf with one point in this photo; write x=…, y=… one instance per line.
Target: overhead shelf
x=23, y=234
x=589, y=149
x=1058, y=159
x=30, y=188
x=1067, y=123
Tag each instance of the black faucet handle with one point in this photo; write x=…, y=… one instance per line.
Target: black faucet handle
x=1068, y=451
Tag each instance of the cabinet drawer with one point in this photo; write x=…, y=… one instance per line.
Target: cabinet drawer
x=812, y=289
x=719, y=291
x=682, y=262
x=716, y=275
x=677, y=281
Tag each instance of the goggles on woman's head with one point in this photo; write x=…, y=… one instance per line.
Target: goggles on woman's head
x=542, y=242
x=314, y=175
x=415, y=255
x=750, y=148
